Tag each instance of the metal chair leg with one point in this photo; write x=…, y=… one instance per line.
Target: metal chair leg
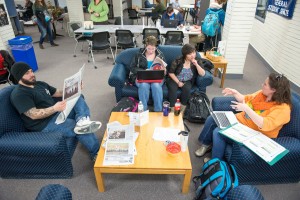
x=92, y=54
x=74, y=53
x=112, y=54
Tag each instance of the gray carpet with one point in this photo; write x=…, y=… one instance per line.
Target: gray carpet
x=56, y=63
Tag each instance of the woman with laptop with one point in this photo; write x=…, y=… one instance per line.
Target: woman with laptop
x=99, y=12
x=266, y=111
x=183, y=73
x=143, y=60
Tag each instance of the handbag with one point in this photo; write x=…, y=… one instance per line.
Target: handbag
x=47, y=16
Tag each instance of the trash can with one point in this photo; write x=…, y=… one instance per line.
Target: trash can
x=22, y=50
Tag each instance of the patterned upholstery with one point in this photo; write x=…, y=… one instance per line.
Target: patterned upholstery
x=244, y=192
x=54, y=192
x=120, y=72
x=252, y=169
x=25, y=154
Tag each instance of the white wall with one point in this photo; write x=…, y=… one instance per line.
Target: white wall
x=6, y=32
x=277, y=40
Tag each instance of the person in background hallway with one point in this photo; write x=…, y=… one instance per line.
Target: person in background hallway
x=266, y=111
x=28, y=13
x=99, y=12
x=34, y=102
x=39, y=9
x=147, y=4
x=158, y=10
x=182, y=75
x=143, y=60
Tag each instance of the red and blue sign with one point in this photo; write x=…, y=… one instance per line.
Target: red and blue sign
x=284, y=8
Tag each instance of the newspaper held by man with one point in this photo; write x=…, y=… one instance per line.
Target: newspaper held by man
x=158, y=64
x=71, y=93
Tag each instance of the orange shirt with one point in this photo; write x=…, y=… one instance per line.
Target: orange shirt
x=274, y=118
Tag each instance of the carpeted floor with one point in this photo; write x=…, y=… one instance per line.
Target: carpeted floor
x=57, y=63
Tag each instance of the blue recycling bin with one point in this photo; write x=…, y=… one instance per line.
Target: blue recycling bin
x=22, y=50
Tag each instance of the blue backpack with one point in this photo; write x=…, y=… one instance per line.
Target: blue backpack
x=216, y=180
x=211, y=23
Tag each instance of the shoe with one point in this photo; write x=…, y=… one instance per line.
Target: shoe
x=206, y=159
x=95, y=158
x=41, y=46
x=85, y=126
x=54, y=45
x=202, y=150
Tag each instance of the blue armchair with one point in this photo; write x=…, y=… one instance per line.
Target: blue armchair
x=120, y=73
x=25, y=154
x=250, y=168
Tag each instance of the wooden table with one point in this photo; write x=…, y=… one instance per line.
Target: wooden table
x=222, y=64
x=151, y=157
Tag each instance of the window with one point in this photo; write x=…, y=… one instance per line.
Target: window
x=261, y=10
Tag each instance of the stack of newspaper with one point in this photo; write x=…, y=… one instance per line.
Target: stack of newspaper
x=120, y=144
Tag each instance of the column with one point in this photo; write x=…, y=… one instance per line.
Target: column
x=237, y=32
x=75, y=10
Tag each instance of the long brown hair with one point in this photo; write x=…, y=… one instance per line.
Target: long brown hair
x=43, y=2
x=282, y=86
x=187, y=49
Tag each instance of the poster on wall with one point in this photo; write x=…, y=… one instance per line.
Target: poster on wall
x=3, y=16
x=283, y=8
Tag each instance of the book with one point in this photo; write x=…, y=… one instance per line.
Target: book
x=71, y=93
x=158, y=64
x=263, y=146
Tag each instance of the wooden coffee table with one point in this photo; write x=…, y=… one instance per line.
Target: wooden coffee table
x=151, y=157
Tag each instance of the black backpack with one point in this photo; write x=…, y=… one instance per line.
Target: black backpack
x=196, y=110
x=126, y=104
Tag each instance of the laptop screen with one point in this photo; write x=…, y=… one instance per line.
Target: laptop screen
x=170, y=23
x=150, y=75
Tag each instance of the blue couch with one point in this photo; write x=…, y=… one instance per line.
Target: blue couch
x=120, y=73
x=25, y=154
x=250, y=168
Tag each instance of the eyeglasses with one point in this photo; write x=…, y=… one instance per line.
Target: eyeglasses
x=278, y=77
x=150, y=49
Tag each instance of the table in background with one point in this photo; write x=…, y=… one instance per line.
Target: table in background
x=152, y=157
x=145, y=13
x=187, y=8
x=222, y=64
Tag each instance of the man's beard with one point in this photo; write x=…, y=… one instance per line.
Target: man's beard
x=27, y=82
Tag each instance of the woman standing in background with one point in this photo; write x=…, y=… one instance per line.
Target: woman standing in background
x=99, y=12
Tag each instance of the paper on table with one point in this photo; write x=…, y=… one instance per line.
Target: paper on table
x=164, y=134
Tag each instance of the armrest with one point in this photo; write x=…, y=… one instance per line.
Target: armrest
x=118, y=76
x=222, y=103
x=33, y=143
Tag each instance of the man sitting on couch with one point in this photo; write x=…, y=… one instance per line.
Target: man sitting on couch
x=34, y=102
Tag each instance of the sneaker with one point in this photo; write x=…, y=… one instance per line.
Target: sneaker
x=41, y=46
x=95, y=158
x=206, y=159
x=54, y=45
x=84, y=126
x=202, y=150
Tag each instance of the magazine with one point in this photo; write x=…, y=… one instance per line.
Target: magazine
x=260, y=144
x=120, y=146
x=158, y=64
x=71, y=93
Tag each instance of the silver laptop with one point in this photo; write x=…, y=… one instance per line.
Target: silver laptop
x=222, y=118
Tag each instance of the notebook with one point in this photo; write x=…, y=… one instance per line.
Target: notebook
x=88, y=25
x=222, y=118
x=170, y=23
x=150, y=76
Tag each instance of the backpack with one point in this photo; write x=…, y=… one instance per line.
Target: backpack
x=211, y=23
x=196, y=110
x=3, y=69
x=126, y=104
x=6, y=62
x=216, y=180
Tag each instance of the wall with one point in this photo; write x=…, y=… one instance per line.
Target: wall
x=6, y=32
x=277, y=40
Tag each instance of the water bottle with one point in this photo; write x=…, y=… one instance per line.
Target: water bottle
x=140, y=107
x=188, y=28
x=157, y=24
x=177, y=107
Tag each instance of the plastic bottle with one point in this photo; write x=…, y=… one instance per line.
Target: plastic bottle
x=188, y=27
x=157, y=24
x=140, y=107
x=177, y=107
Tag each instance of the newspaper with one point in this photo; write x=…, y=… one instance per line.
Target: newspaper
x=71, y=93
x=263, y=146
x=120, y=147
x=158, y=64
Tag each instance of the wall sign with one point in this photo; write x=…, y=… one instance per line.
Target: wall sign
x=284, y=8
x=3, y=16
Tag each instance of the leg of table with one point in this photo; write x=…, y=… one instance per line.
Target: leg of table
x=186, y=181
x=215, y=72
x=223, y=77
x=99, y=180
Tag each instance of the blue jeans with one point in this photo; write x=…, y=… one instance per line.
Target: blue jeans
x=44, y=31
x=157, y=94
x=89, y=141
x=210, y=135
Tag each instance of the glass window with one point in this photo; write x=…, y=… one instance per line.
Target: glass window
x=261, y=10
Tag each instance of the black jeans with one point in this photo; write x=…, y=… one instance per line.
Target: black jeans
x=185, y=92
x=211, y=42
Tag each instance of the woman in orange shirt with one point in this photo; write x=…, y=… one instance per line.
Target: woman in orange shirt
x=266, y=110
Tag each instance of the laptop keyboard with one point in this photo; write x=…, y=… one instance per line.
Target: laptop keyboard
x=223, y=120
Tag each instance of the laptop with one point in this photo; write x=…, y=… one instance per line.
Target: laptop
x=170, y=23
x=88, y=25
x=222, y=118
x=150, y=76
